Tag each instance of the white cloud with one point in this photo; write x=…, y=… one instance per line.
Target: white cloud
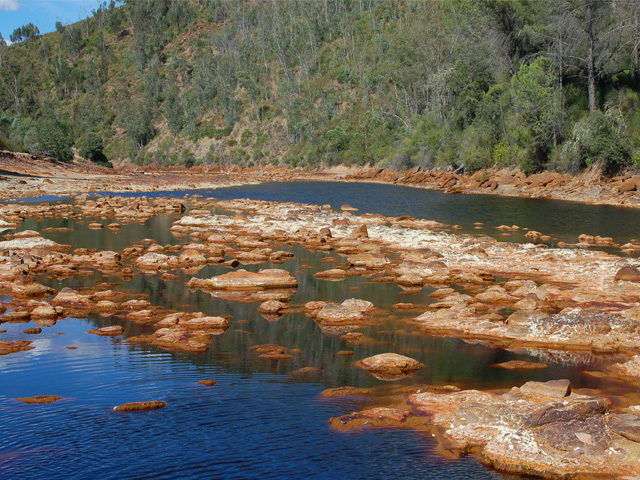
x=9, y=5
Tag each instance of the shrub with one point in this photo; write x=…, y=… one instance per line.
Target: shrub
x=599, y=139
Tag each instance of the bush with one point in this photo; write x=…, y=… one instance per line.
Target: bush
x=401, y=162
x=91, y=148
x=599, y=140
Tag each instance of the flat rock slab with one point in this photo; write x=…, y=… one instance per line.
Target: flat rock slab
x=244, y=280
x=140, y=406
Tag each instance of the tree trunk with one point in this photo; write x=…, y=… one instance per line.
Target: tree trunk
x=593, y=106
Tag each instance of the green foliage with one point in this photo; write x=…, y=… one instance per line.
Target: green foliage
x=537, y=104
x=599, y=140
x=53, y=137
x=25, y=32
x=91, y=147
x=430, y=84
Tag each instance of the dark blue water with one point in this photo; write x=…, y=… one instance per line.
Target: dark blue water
x=258, y=421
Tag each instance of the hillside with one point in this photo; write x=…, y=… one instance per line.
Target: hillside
x=458, y=84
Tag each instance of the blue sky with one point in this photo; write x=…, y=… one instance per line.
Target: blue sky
x=44, y=14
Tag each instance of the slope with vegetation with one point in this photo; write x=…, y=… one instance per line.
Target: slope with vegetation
x=538, y=84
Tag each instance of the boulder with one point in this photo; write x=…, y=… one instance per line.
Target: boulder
x=628, y=273
x=389, y=366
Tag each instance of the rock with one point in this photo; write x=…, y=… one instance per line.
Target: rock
x=112, y=331
x=628, y=186
x=305, y=371
x=360, y=232
x=374, y=417
x=26, y=286
x=135, y=305
x=410, y=279
x=628, y=273
x=345, y=391
x=13, y=347
x=554, y=389
x=625, y=425
x=338, y=318
x=40, y=399
x=558, y=436
x=68, y=297
x=140, y=406
x=243, y=280
x=335, y=274
x=389, y=366
x=368, y=260
x=521, y=365
x=32, y=331
x=44, y=311
x=156, y=261
x=208, y=382
x=206, y=323
x=348, y=208
x=272, y=306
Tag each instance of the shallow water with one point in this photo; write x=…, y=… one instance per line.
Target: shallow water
x=258, y=421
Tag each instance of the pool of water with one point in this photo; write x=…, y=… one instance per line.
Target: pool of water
x=258, y=421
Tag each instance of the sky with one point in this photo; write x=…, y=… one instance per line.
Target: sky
x=44, y=14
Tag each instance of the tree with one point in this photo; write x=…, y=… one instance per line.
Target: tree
x=54, y=138
x=3, y=47
x=537, y=104
x=25, y=32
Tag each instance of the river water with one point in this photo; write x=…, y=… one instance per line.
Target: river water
x=258, y=421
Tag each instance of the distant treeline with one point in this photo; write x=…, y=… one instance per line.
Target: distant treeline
x=539, y=84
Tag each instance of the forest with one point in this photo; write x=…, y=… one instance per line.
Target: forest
x=460, y=84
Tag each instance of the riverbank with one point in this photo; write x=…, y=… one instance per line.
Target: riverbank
x=24, y=175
